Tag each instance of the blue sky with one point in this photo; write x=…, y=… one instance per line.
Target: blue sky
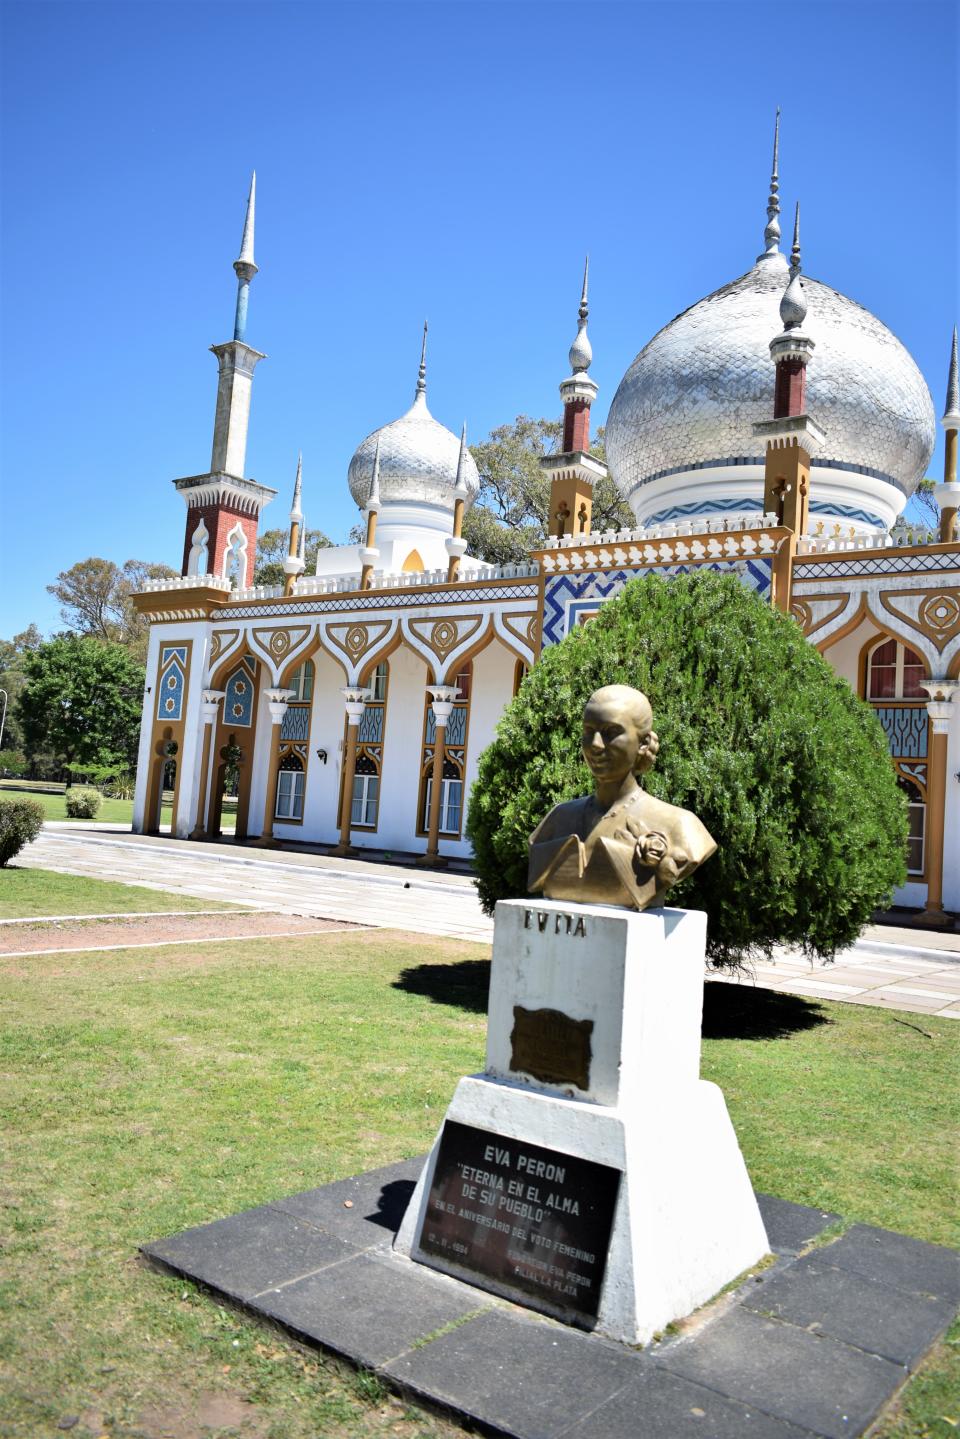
x=453, y=160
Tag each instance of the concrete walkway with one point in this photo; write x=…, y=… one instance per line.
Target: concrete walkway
x=913, y=970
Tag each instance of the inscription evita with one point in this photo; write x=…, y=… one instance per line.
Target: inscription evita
x=534, y=1222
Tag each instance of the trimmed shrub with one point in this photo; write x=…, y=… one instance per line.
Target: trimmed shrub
x=786, y=767
x=21, y=820
x=82, y=803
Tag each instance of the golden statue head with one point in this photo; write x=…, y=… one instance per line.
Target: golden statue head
x=618, y=737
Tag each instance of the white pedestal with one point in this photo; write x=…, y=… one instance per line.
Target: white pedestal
x=685, y=1221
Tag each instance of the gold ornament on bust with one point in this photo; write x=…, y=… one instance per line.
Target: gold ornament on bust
x=619, y=845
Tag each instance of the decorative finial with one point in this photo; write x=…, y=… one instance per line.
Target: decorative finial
x=296, y=513
x=581, y=351
x=793, y=303
x=952, y=410
x=245, y=266
x=771, y=234
x=422, y=376
x=373, y=503
x=460, y=488
x=246, y=244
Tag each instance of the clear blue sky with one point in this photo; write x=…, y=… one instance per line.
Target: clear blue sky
x=453, y=160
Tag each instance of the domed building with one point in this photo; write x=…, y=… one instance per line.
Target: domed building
x=773, y=431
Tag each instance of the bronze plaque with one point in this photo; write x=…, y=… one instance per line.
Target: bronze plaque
x=527, y=1222
x=551, y=1046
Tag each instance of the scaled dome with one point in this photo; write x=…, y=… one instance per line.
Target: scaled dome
x=690, y=399
x=418, y=462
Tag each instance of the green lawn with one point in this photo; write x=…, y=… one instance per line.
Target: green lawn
x=149, y=1090
x=25, y=893
x=113, y=811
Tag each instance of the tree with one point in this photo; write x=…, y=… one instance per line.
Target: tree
x=923, y=503
x=511, y=513
x=787, y=768
x=96, y=599
x=272, y=550
x=81, y=700
x=12, y=655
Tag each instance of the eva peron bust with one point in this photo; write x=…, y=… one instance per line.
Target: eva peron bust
x=620, y=845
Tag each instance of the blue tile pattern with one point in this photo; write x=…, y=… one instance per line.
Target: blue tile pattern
x=457, y=725
x=295, y=725
x=238, y=700
x=172, y=684
x=906, y=729
x=568, y=596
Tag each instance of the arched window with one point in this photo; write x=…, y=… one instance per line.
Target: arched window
x=290, y=788
x=301, y=682
x=454, y=759
x=365, y=800
x=235, y=557
x=199, y=549
x=895, y=672
x=917, y=811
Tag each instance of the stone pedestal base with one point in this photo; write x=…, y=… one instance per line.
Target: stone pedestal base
x=592, y=1056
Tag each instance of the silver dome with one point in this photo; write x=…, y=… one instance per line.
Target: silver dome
x=691, y=396
x=418, y=462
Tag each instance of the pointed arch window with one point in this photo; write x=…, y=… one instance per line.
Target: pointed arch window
x=199, y=550
x=368, y=771
x=290, y=779
x=454, y=760
x=235, y=557
x=895, y=672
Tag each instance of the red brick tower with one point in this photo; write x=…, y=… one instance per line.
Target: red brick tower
x=573, y=472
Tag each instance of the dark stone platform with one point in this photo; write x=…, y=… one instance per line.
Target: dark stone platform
x=816, y=1344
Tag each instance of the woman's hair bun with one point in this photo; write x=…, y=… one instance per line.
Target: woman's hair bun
x=647, y=755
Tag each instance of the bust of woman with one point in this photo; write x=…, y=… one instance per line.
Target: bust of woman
x=619, y=845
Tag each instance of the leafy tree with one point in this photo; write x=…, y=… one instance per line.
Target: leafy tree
x=12, y=655
x=272, y=551
x=96, y=599
x=923, y=505
x=81, y=700
x=511, y=513
x=787, y=768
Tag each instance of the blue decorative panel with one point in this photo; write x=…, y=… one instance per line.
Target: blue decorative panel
x=238, y=700
x=296, y=723
x=847, y=512
x=568, y=596
x=702, y=507
x=371, y=725
x=457, y=725
x=172, y=684
x=906, y=728
x=430, y=736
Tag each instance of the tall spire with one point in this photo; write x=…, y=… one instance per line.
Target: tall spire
x=793, y=304
x=296, y=512
x=581, y=352
x=245, y=266
x=373, y=503
x=460, y=486
x=771, y=234
x=422, y=375
x=952, y=408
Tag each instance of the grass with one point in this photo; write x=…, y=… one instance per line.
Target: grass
x=26, y=893
x=145, y=1091
x=112, y=811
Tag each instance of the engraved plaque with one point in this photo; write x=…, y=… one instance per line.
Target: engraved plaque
x=551, y=1046
x=526, y=1222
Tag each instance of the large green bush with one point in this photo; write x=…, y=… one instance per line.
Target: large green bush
x=787, y=768
x=21, y=820
x=82, y=803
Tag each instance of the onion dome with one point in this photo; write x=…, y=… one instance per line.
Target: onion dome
x=691, y=397
x=419, y=459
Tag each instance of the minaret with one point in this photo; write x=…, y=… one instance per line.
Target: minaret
x=771, y=234
x=456, y=544
x=574, y=471
x=223, y=508
x=369, y=554
x=294, y=564
x=948, y=494
x=791, y=434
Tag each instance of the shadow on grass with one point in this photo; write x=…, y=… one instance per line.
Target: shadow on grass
x=730, y=1011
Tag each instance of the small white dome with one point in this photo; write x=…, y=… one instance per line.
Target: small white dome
x=418, y=462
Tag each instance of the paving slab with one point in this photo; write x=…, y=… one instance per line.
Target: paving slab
x=535, y=1380
x=370, y=1308
x=815, y=1345
x=872, y=1316
x=816, y=1383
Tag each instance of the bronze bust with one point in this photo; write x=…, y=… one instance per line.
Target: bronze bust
x=620, y=845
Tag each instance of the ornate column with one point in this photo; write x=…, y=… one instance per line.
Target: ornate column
x=277, y=705
x=442, y=698
x=939, y=708
x=354, y=698
x=209, y=709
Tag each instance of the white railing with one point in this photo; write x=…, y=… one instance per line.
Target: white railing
x=187, y=582
x=701, y=525
x=867, y=540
